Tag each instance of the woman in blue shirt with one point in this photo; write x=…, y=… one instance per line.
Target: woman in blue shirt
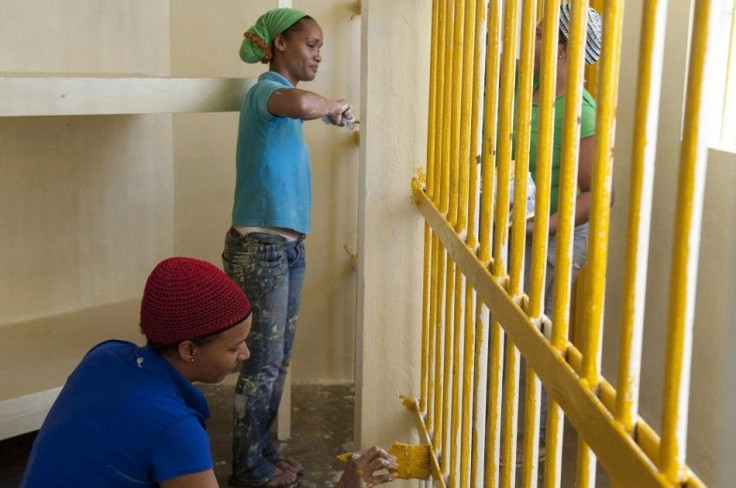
x=129, y=416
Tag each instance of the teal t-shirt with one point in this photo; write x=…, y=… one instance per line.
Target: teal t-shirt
x=273, y=186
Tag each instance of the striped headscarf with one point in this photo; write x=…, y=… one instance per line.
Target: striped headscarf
x=257, y=43
x=592, y=35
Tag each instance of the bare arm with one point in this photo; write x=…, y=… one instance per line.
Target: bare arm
x=203, y=479
x=306, y=105
x=585, y=179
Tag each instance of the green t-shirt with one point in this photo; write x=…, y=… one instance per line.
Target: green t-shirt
x=587, y=129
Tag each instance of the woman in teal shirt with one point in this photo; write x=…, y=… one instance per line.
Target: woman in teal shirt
x=264, y=248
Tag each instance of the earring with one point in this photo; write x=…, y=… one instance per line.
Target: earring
x=191, y=360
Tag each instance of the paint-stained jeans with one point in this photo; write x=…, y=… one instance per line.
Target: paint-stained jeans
x=270, y=270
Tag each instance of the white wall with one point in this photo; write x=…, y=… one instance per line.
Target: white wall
x=712, y=363
x=395, y=61
x=87, y=200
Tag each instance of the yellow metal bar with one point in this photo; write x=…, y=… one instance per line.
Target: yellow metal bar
x=568, y=173
x=566, y=217
x=457, y=376
x=432, y=124
x=448, y=360
x=600, y=211
x=495, y=366
x=523, y=131
x=456, y=109
x=480, y=389
x=480, y=35
x=531, y=429
x=553, y=441
x=439, y=350
x=467, y=389
x=490, y=114
x=426, y=290
x=429, y=411
x=585, y=465
x=616, y=453
x=468, y=393
x=440, y=116
x=645, y=437
x=426, y=439
x=510, y=413
x=685, y=254
x=548, y=67
x=444, y=89
x=641, y=182
x=466, y=100
x=449, y=16
x=500, y=236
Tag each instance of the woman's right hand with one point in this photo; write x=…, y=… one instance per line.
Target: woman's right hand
x=362, y=468
x=341, y=113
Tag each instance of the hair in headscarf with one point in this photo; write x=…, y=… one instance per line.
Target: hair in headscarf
x=592, y=34
x=258, y=39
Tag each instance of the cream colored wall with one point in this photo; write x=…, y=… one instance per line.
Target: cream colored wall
x=712, y=364
x=395, y=61
x=95, y=202
x=205, y=38
x=87, y=200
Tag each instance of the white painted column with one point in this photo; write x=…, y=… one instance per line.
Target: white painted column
x=395, y=45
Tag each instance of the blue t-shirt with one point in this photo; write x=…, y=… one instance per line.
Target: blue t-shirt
x=273, y=186
x=125, y=418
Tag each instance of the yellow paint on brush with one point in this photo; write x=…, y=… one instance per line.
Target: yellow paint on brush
x=413, y=460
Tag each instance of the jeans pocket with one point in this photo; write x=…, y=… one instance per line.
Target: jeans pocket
x=236, y=271
x=267, y=269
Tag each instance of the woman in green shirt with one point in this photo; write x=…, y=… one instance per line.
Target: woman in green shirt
x=586, y=152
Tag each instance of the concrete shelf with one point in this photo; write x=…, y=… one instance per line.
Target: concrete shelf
x=40, y=354
x=48, y=95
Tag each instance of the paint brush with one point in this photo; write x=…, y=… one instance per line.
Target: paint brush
x=413, y=460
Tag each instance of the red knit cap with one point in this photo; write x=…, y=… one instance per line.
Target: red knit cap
x=187, y=298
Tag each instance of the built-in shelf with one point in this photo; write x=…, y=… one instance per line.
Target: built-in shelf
x=22, y=95
x=39, y=355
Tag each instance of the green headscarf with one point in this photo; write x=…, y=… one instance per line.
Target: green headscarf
x=257, y=43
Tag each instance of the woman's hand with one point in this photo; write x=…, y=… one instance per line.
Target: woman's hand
x=341, y=114
x=306, y=105
x=363, y=467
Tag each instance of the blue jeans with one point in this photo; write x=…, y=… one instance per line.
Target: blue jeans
x=270, y=270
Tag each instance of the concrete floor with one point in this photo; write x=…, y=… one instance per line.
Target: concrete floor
x=322, y=427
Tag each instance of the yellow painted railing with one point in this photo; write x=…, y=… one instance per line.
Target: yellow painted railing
x=478, y=322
